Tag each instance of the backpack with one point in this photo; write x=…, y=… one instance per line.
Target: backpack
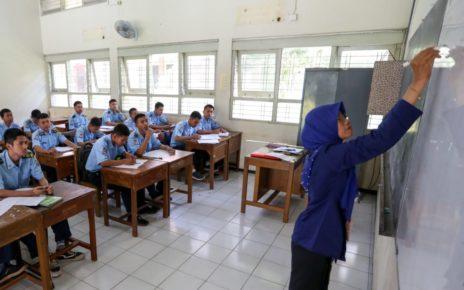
x=83, y=155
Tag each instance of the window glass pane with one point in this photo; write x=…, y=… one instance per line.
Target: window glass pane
x=288, y=112
x=294, y=63
x=83, y=98
x=100, y=76
x=258, y=72
x=77, y=76
x=48, y=5
x=68, y=4
x=201, y=72
x=100, y=101
x=164, y=73
x=363, y=58
x=194, y=104
x=171, y=104
x=138, y=102
x=374, y=122
x=252, y=110
x=59, y=76
x=137, y=74
x=59, y=100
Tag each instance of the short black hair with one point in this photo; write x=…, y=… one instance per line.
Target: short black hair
x=138, y=116
x=195, y=115
x=96, y=122
x=208, y=106
x=43, y=116
x=12, y=134
x=77, y=103
x=121, y=130
x=158, y=105
x=35, y=114
x=4, y=111
x=112, y=101
x=131, y=110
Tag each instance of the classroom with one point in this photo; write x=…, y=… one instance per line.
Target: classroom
x=217, y=144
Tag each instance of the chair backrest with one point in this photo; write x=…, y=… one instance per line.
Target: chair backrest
x=83, y=155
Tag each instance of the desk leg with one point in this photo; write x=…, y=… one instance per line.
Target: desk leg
x=226, y=166
x=237, y=160
x=44, y=259
x=92, y=234
x=211, y=170
x=288, y=197
x=105, y=203
x=166, y=198
x=134, y=211
x=244, y=186
x=188, y=179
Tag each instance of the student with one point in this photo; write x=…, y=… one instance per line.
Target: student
x=187, y=130
x=112, y=116
x=78, y=118
x=17, y=166
x=207, y=124
x=130, y=123
x=7, y=117
x=45, y=139
x=143, y=140
x=329, y=177
x=104, y=154
x=89, y=133
x=157, y=120
x=31, y=125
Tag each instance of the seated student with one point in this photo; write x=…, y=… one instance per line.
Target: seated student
x=130, y=123
x=7, y=117
x=31, y=125
x=143, y=140
x=112, y=116
x=104, y=154
x=45, y=139
x=187, y=130
x=78, y=118
x=207, y=124
x=159, y=122
x=89, y=133
x=17, y=166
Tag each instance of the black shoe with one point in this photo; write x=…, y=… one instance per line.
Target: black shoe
x=72, y=256
x=198, y=176
x=140, y=220
x=55, y=269
x=11, y=271
x=149, y=210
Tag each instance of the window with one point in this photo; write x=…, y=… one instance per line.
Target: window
x=82, y=80
x=183, y=82
x=374, y=122
x=362, y=58
x=49, y=6
x=68, y=4
x=273, y=79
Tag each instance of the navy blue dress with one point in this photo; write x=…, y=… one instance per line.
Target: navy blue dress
x=321, y=226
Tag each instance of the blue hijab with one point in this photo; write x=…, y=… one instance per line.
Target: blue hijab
x=321, y=129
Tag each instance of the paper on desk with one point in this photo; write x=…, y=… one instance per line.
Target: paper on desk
x=138, y=163
x=292, y=150
x=25, y=200
x=281, y=156
x=107, y=128
x=209, y=137
x=208, y=141
x=63, y=149
x=5, y=205
x=157, y=154
x=224, y=134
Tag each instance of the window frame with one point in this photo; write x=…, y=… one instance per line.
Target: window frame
x=62, y=6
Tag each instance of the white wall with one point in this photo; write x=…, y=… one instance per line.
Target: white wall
x=23, y=85
x=186, y=20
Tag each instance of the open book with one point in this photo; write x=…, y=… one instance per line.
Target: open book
x=138, y=163
x=63, y=149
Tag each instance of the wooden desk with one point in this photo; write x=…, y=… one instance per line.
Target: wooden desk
x=65, y=163
x=16, y=223
x=76, y=198
x=235, y=144
x=180, y=160
x=59, y=120
x=106, y=129
x=135, y=179
x=277, y=175
x=216, y=152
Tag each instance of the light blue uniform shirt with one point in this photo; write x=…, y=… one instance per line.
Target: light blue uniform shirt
x=130, y=124
x=182, y=129
x=30, y=126
x=77, y=120
x=136, y=139
x=156, y=120
x=111, y=116
x=103, y=150
x=47, y=140
x=208, y=124
x=83, y=134
x=4, y=127
x=14, y=176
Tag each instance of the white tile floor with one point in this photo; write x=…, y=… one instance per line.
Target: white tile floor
x=209, y=244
